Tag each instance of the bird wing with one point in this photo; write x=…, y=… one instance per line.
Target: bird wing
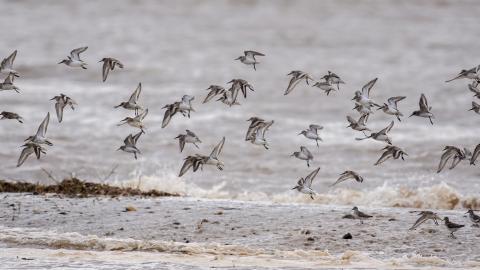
x=136, y=137
x=292, y=84
x=142, y=115
x=218, y=149
x=387, y=129
x=213, y=92
x=136, y=94
x=186, y=166
x=351, y=120
x=9, y=79
x=42, y=129
x=59, y=106
x=191, y=133
x=8, y=62
x=343, y=177
x=310, y=177
x=107, y=65
x=253, y=53
x=367, y=87
x=75, y=54
x=386, y=155
x=395, y=100
x=128, y=141
x=445, y=157
x=266, y=127
x=305, y=151
x=315, y=127
x=423, y=104
x=473, y=89
x=420, y=220
x=27, y=151
x=168, y=115
x=363, y=119
x=181, y=142
x=476, y=152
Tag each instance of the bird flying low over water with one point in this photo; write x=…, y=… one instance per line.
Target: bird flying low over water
x=360, y=125
x=303, y=154
x=325, y=86
x=197, y=161
x=249, y=58
x=132, y=102
x=214, y=90
x=184, y=107
x=348, y=175
x=391, y=107
x=74, y=59
x=363, y=97
x=6, y=67
x=40, y=136
x=189, y=137
x=8, y=84
x=237, y=86
x=382, y=135
x=425, y=110
x=391, y=152
x=256, y=131
x=60, y=102
x=454, y=153
x=312, y=133
x=333, y=78
x=136, y=121
x=109, y=64
x=304, y=185
x=467, y=74
x=297, y=76
x=424, y=216
x=11, y=115
x=130, y=144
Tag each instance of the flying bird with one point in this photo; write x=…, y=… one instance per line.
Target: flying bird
x=130, y=144
x=297, y=77
x=6, y=67
x=136, y=121
x=132, y=102
x=28, y=149
x=391, y=152
x=425, y=110
x=214, y=90
x=363, y=97
x=40, y=136
x=61, y=101
x=475, y=154
x=109, y=64
x=333, y=78
x=360, y=125
x=304, y=185
x=312, y=133
x=466, y=74
x=346, y=175
x=189, y=137
x=257, y=134
x=424, y=216
x=184, y=107
x=454, y=153
x=8, y=84
x=303, y=154
x=197, y=161
x=382, y=135
x=11, y=115
x=391, y=107
x=249, y=58
x=74, y=59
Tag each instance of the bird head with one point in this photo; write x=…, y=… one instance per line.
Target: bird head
x=64, y=61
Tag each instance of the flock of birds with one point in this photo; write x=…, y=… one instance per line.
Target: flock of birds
x=256, y=133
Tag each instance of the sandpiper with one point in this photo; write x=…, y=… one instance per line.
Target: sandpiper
x=382, y=135
x=391, y=107
x=227, y=98
x=74, y=59
x=237, y=86
x=424, y=216
x=11, y=115
x=197, y=161
x=28, y=149
x=474, y=218
x=109, y=64
x=325, y=86
x=189, y=137
x=132, y=103
x=60, y=102
x=357, y=214
x=360, y=125
x=214, y=90
x=8, y=84
x=466, y=74
x=475, y=107
x=475, y=154
x=303, y=154
x=348, y=175
x=249, y=58
x=255, y=123
x=333, y=78
x=363, y=97
x=304, y=185
x=130, y=144
x=391, y=152
x=425, y=110
x=312, y=133
x=452, y=227
x=135, y=121
x=297, y=76
x=452, y=152
x=6, y=67
x=258, y=134
x=40, y=136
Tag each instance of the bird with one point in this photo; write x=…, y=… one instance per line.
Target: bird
x=60, y=102
x=132, y=103
x=391, y=151
x=197, y=161
x=214, y=90
x=184, y=106
x=452, y=227
x=237, y=86
x=11, y=115
x=28, y=149
x=424, y=216
x=425, y=110
x=333, y=78
x=325, y=86
x=297, y=76
x=40, y=136
x=303, y=154
x=466, y=74
x=475, y=154
x=304, y=185
x=249, y=58
x=348, y=175
x=136, y=121
x=312, y=133
x=130, y=144
x=255, y=123
x=258, y=136
x=74, y=59
x=109, y=64
x=391, y=107
x=363, y=97
x=189, y=137
x=382, y=135
x=6, y=67
x=475, y=107
x=227, y=98
x=363, y=110
x=474, y=218
x=473, y=87
x=360, y=125
x=451, y=152
x=8, y=84
x=357, y=214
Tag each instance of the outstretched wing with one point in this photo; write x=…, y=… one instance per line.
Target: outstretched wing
x=75, y=54
x=136, y=94
x=315, y=127
x=107, y=65
x=306, y=152
x=310, y=177
x=385, y=156
x=137, y=136
x=218, y=149
x=474, y=157
x=444, y=159
x=292, y=84
x=367, y=87
x=8, y=62
x=423, y=103
x=387, y=129
x=42, y=129
x=59, y=106
x=253, y=53
x=9, y=79
x=27, y=151
x=186, y=166
x=395, y=100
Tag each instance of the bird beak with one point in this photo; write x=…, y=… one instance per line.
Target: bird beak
x=411, y=115
x=237, y=58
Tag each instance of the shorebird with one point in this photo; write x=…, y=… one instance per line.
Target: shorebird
x=360, y=125
x=303, y=154
x=382, y=135
x=74, y=59
x=325, y=86
x=357, y=214
x=475, y=107
x=28, y=149
x=474, y=218
x=333, y=78
x=257, y=135
x=135, y=121
x=312, y=133
x=237, y=86
x=130, y=144
x=452, y=152
x=475, y=154
x=8, y=84
x=249, y=58
x=452, y=227
x=189, y=137
x=391, y=107
x=60, y=102
x=40, y=136
x=467, y=74
x=11, y=115
x=184, y=107
x=227, y=98
x=132, y=103
x=109, y=64
x=473, y=87
x=255, y=123
x=297, y=76
x=363, y=110
x=363, y=97
x=304, y=185
x=197, y=161
x=424, y=216
x=214, y=90
x=391, y=152
x=425, y=110
x=6, y=67
x=348, y=175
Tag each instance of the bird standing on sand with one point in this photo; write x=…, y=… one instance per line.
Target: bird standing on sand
x=132, y=102
x=357, y=214
x=304, y=185
x=109, y=64
x=297, y=76
x=382, y=135
x=424, y=216
x=348, y=175
x=189, y=137
x=130, y=144
x=425, y=110
x=74, y=59
x=11, y=115
x=303, y=154
x=391, y=152
x=6, y=67
x=60, y=102
x=8, y=84
x=452, y=227
x=197, y=161
x=312, y=133
x=249, y=58
x=391, y=107
x=474, y=218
